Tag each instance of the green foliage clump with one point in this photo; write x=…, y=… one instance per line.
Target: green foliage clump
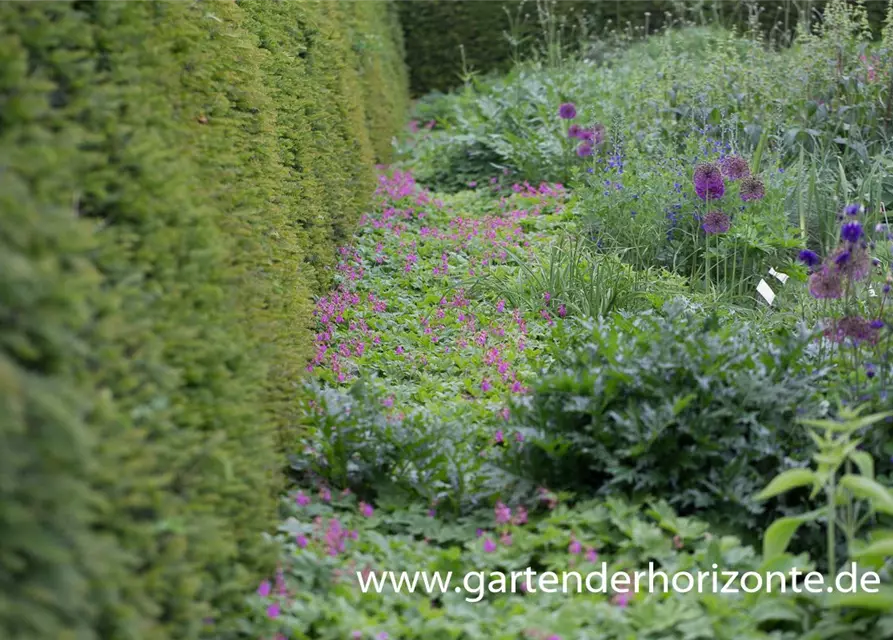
x=494, y=34
x=175, y=178
x=676, y=406
x=461, y=580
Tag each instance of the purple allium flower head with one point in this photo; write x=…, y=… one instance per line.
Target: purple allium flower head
x=825, y=284
x=734, y=167
x=567, y=111
x=584, y=150
x=301, y=541
x=856, y=328
x=489, y=546
x=574, y=131
x=264, y=589
x=852, y=209
x=851, y=231
x=273, y=611
x=574, y=547
x=709, y=182
x=752, y=189
x=853, y=263
x=366, y=509
x=302, y=500
x=809, y=258
x=716, y=222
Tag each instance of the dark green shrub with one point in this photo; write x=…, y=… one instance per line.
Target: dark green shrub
x=175, y=178
x=674, y=405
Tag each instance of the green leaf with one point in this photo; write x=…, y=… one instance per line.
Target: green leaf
x=866, y=488
x=680, y=404
x=880, y=601
x=878, y=548
x=786, y=481
x=848, y=425
x=778, y=536
x=865, y=462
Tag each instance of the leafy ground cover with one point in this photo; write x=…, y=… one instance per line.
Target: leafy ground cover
x=626, y=310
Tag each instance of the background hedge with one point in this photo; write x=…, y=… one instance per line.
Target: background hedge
x=435, y=29
x=174, y=180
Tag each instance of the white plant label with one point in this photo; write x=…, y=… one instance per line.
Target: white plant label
x=872, y=293
x=766, y=291
x=782, y=277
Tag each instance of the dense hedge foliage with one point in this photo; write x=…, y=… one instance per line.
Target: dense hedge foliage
x=174, y=179
x=483, y=29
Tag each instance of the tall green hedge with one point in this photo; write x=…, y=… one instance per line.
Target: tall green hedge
x=435, y=29
x=174, y=180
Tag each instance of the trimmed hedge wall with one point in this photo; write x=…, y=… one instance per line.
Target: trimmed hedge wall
x=174, y=180
x=434, y=29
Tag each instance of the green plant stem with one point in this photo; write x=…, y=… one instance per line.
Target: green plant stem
x=831, y=529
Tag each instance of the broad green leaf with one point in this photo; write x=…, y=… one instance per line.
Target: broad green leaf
x=880, y=601
x=880, y=497
x=865, y=462
x=878, y=548
x=778, y=536
x=790, y=479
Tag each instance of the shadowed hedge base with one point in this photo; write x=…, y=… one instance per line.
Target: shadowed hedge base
x=174, y=181
x=480, y=27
